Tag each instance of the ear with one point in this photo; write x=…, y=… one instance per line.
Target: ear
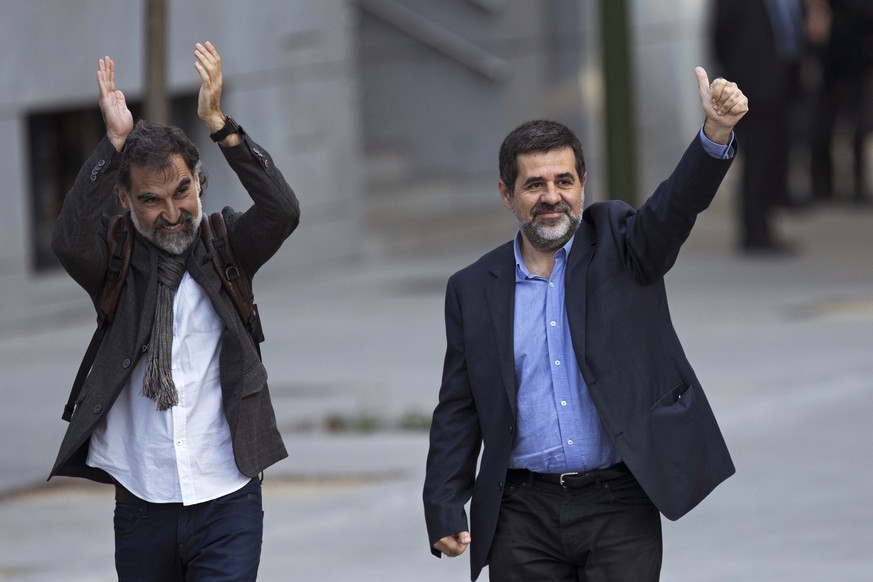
x=122, y=198
x=505, y=195
x=584, y=178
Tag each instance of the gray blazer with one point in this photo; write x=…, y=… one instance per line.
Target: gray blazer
x=79, y=241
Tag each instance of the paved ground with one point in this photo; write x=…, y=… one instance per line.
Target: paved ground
x=783, y=348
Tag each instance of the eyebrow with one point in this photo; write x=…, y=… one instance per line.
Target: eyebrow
x=541, y=179
x=183, y=184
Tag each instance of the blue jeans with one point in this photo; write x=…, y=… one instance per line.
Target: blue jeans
x=215, y=541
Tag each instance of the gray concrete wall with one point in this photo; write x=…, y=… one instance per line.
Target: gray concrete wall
x=333, y=88
x=289, y=80
x=669, y=41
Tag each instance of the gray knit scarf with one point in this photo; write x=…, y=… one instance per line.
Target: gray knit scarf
x=158, y=382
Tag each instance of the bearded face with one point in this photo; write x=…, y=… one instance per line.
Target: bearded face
x=173, y=239
x=550, y=226
x=547, y=198
x=164, y=204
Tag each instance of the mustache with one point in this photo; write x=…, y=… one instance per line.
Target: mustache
x=184, y=217
x=542, y=208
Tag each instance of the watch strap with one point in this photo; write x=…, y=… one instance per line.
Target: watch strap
x=230, y=126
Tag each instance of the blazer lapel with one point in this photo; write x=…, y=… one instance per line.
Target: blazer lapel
x=501, y=302
x=574, y=288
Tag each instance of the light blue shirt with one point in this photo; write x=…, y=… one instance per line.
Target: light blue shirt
x=558, y=427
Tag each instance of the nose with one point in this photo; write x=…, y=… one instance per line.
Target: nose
x=171, y=212
x=550, y=195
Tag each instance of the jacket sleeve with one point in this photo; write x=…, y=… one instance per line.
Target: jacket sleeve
x=258, y=232
x=79, y=236
x=455, y=437
x=651, y=237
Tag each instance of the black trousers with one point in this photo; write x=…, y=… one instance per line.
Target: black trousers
x=605, y=531
x=764, y=145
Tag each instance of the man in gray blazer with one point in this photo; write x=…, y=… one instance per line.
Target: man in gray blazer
x=562, y=360
x=175, y=412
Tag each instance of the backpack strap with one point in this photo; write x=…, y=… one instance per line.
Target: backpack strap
x=119, y=243
x=213, y=230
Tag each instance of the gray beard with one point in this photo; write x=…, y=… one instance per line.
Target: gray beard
x=545, y=238
x=173, y=243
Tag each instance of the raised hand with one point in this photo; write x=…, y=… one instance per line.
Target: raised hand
x=724, y=104
x=113, y=106
x=208, y=65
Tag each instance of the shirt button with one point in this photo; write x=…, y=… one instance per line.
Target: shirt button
x=553, y=323
x=570, y=442
x=551, y=284
x=563, y=403
x=557, y=362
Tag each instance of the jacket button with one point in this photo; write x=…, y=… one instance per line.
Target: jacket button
x=98, y=409
x=500, y=485
x=126, y=363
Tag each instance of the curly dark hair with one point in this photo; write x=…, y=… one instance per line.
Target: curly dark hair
x=151, y=145
x=540, y=135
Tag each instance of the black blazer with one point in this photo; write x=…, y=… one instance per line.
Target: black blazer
x=645, y=391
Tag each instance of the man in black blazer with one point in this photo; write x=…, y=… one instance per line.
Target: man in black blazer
x=759, y=44
x=562, y=360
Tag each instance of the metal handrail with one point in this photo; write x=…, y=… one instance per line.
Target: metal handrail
x=439, y=38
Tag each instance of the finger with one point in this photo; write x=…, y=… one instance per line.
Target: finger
x=729, y=92
x=702, y=81
x=213, y=51
x=201, y=70
x=103, y=77
x=737, y=104
x=717, y=86
x=205, y=55
x=110, y=66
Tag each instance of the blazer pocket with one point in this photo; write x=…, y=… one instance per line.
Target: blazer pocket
x=672, y=397
x=254, y=380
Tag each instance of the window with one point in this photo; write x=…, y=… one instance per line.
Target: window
x=60, y=142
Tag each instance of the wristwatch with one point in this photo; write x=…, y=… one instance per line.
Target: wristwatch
x=230, y=126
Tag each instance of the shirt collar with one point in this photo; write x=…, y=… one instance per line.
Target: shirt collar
x=521, y=271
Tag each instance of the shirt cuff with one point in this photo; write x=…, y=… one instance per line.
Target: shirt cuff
x=717, y=150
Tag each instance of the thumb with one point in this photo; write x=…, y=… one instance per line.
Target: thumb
x=702, y=80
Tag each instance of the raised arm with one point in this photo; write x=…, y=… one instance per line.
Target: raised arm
x=113, y=106
x=208, y=65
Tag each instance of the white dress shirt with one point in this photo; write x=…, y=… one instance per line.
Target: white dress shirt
x=183, y=454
